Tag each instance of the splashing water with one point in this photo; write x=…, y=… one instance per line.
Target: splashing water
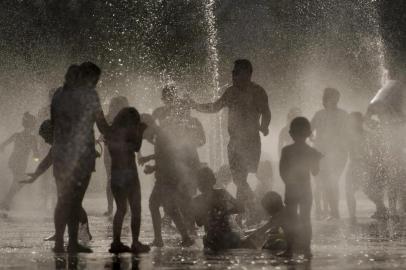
x=216, y=150
x=381, y=56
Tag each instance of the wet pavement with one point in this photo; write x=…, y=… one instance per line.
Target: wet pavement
x=336, y=245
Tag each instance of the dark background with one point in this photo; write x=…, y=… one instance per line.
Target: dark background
x=286, y=40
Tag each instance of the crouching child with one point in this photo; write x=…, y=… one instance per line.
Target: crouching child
x=213, y=209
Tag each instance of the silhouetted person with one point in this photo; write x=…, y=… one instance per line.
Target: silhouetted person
x=331, y=133
x=248, y=114
x=268, y=236
x=165, y=192
x=162, y=115
x=123, y=140
x=170, y=100
x=389, y=105
x=298, y=161
x=116, y=104
x=186, y=134
x=357, y=171
x=212, y=209
x=46, y=132
x=25, y=143
x=75, y=108
x=284, y=137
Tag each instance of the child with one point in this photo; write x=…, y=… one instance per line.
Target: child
x=116, y=104
x=298, y=160
x=269, y=236
x=165, y=192
x=212, y=210
x=123, y=140
x=46, y=132
x=24, y=143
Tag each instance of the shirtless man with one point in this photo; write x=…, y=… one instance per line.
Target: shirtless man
x=248, y=115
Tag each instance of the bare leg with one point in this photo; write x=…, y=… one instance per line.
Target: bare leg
x=154, y=204
x=121, y=202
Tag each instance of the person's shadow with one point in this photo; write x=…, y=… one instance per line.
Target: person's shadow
x=124, y=263
x=66, y=261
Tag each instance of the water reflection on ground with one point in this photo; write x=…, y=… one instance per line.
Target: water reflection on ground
x=336, y=245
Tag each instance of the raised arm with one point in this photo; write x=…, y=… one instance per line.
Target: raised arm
x=214, y=106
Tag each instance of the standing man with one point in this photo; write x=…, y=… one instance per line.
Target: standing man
x=75, y=108
x=248, y=115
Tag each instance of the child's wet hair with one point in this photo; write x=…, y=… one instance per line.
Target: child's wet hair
x=29, y=120
x=89, y=69
x=300, y=127
x=206, y=177
x=72, y=75
x=127, y=117
x=272, y=202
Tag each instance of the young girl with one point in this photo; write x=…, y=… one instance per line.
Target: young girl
x=123, y=140
x=116, y=104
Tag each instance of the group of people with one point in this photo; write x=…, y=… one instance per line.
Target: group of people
x=317, y=149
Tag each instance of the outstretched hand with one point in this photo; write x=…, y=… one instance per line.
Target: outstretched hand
x=31, y=178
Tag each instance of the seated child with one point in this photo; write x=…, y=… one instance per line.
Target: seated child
x=273, y=234
x=212, y=209
x=123, y=140
x=298, y=161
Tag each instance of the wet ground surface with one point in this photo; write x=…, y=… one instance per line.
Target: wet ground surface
x=336, y=245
